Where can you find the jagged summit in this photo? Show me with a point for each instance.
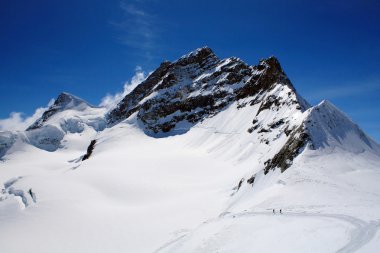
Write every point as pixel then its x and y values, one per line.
pixel 199 85
pixel 197 56
pixel 273 65
pixel 271 61
pixel 202 51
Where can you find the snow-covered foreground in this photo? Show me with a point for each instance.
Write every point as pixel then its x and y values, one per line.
pixel 269 232
pixel 126 197
pixel 142 194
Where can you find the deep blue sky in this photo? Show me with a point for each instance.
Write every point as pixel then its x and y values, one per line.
pixel 329 49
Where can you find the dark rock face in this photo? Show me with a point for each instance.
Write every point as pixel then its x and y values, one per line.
pixel 284 158
pixel 270 73
pixel 251 180
pixel 198 85
pixel 130 103
pixel 90 149
pixel 267 104
pixel 276 124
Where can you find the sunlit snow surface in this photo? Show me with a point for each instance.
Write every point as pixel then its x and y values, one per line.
pixel 178 194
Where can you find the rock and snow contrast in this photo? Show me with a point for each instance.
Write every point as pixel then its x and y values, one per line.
pixel 200 157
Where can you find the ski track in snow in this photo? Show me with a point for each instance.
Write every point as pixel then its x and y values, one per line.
pixel 216 131
pixel 359 236
pixel 169 243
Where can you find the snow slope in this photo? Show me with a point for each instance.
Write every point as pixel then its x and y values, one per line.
pixel 208 188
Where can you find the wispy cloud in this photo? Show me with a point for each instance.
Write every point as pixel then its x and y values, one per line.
pixel 131 9
pixel 18 122
pixel 112 100
pixel 138 28
pixel 342 91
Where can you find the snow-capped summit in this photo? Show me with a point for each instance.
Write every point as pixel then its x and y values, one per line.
pixel 68 101
pixel 64 101
pixel 330 128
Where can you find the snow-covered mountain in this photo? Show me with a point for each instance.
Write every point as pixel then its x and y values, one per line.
pixel 194 159
pixel 68 114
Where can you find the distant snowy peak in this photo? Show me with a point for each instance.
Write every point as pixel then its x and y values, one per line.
pixel 69 101
pixel 64 101
pixel 328 127
pixel 68 114
pixel 199 85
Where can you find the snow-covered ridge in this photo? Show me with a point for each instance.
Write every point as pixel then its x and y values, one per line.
pixel 181 94
pixel 330 128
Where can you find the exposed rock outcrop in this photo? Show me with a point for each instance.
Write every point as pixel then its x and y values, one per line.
pixel 90 149
pixel 199 85
pixel 284 158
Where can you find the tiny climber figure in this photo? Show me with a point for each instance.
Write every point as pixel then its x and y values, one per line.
pixel 280 211
pixel 274 211
pixel 32 195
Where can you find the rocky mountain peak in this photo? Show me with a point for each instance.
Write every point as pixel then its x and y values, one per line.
pixel 199 85
pixel 271 62
pixel 197 56
pixel 274 71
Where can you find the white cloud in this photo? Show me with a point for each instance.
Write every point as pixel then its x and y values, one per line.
pixel 137 28
pixel 131 9
pixel 18 122
pixel 111 100
pixel 342 91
